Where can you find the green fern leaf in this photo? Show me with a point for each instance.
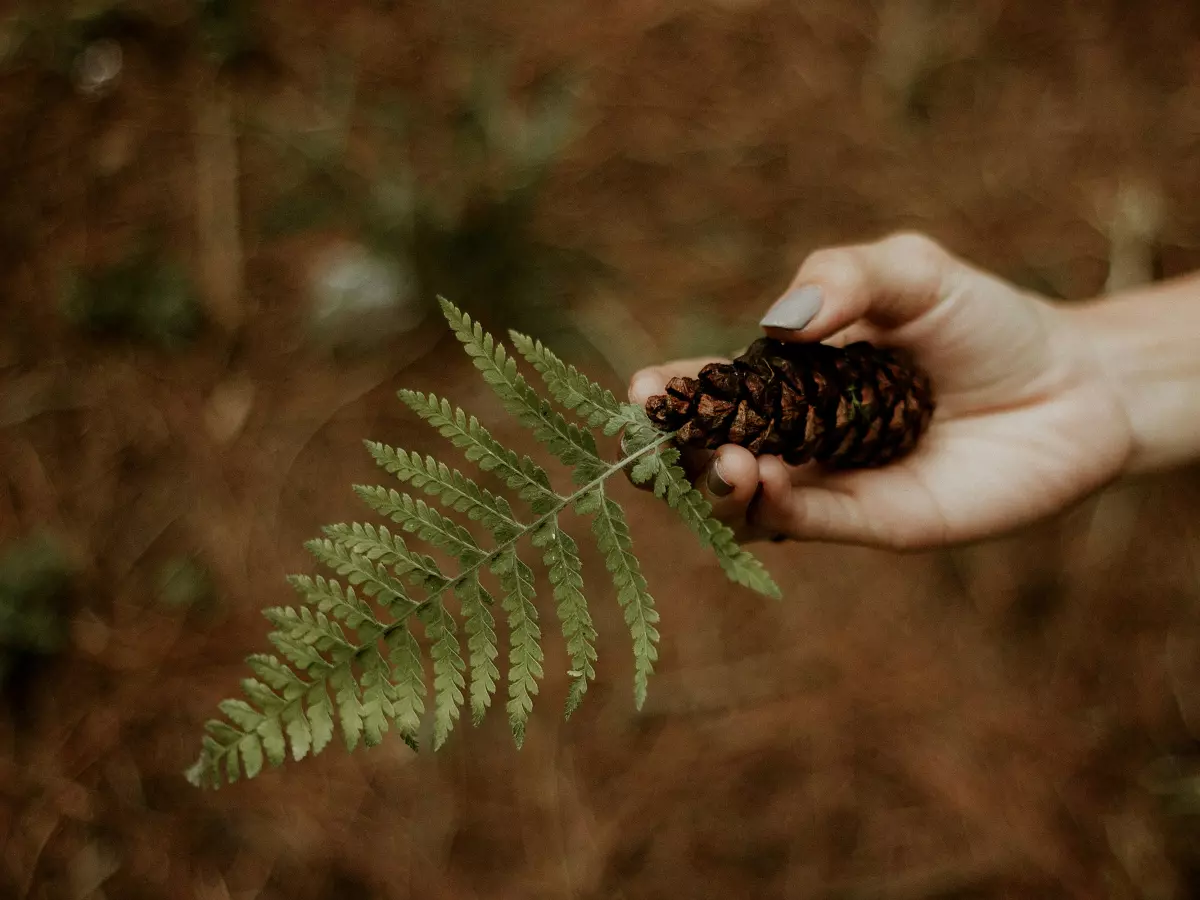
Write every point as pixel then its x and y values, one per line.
pixel 250 746
pixel 448 681
pixel 301 628
pixel 482 647
pixel 426 522
pixel 573 446
pixel 671 483
pixel 594 404
pixel 612 533
pixel 455 490
pixel 320 717
pixel 377 693
pixel 380 546
pixel 270 732
pixel 299 731
pixel 327 596
pixel 408 704
pixel 262 697
pixel 372 578
pixel 241 714
pixel 739 564
pixel 277 675
pixel 519 472
pixel 332 674
pixel 562 559
pixel 349 708
pixel 525 658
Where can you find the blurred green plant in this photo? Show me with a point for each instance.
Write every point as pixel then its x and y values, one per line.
pixel 145 297
pixel 185 583
pixel 447 200
pixel 35 576
pixel 227 28
pixel 54 34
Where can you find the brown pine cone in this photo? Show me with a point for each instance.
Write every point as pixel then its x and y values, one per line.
pixel 850 407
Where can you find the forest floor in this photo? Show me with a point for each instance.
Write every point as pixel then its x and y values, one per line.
pixel 1013 719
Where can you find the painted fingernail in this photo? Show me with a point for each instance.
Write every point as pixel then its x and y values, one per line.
pixel 795 309
pixel 716 483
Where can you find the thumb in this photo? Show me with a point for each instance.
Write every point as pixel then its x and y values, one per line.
pixel 730 482
pixel 888 283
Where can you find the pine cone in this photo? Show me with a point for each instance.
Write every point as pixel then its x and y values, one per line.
pixel 850 407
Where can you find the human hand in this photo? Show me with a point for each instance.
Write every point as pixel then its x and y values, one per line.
pixel 1027 422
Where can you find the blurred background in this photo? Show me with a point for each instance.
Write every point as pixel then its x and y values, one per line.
pixel 223 226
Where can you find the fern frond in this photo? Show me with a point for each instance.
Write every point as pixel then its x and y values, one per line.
pixel 408 702
pixel 612 534
pixel 379 546
pixel 525 657
pixel 519 472
pixel 482 646
pixel 315 632
pixel 377 694
pixel 373 578
pixel 328 596
pixel 454 489
pixel 448 681
pixel 292 688
pixel 594 404
pixel 572 445
pixel 313 644
pixel 562 559
pixel 671 483
pixel 349 707
pixel 426 522
pixel 349 659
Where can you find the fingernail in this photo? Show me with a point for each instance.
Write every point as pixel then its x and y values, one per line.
pixel 795 309
pixel 716 483
pixel 643 388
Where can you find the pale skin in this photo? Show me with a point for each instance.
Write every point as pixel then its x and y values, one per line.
pixel 1040 404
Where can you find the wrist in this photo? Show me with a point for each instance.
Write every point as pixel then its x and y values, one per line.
pixel 1146 348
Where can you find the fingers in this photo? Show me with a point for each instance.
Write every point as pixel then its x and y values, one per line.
pixel 815 514
pixel 888 283
pixel 653 380
pixel 889 509
pixel 985 343
pixel 755 496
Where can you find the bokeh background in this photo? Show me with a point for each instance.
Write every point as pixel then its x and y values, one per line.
pixel 223 225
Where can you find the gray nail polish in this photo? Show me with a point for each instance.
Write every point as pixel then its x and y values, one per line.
pixel 717 485
pixel 795 309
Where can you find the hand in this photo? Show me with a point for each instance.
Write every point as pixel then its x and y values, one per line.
pixel 1027 422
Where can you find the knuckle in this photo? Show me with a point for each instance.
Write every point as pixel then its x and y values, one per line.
pixel 923 258
pixel 838 268
pixel 914 243
pixel 915 248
